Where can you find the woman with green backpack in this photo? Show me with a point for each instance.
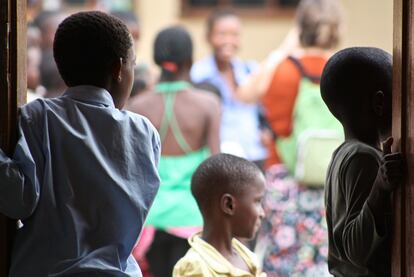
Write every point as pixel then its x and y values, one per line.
pixel 293 239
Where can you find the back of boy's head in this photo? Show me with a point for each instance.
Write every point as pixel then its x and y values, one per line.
pixel 86 46
pixel 219 174
pixel 173 48
pixel 352 76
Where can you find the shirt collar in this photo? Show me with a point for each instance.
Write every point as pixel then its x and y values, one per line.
pixel 217 262
pixel 90 94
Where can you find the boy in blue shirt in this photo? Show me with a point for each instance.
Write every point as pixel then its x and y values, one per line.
pixel 356 86
pixel 84 174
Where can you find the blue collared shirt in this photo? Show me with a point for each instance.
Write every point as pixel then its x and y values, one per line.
pixel 82 179
pixel 239 126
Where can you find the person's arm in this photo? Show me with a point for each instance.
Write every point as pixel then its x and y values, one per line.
pixel 390 175
pixel 19 188
pixel 213 134
pixel 259 81
pixel 362 232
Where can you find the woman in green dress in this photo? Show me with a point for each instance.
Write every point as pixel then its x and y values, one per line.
pixel 188 122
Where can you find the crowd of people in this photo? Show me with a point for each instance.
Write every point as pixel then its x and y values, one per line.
pixel 221 167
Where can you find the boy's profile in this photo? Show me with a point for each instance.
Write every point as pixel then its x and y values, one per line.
pixel 356 85
pixel 84 172
pixel 229 192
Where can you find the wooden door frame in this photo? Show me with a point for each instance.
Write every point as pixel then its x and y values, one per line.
pixel 403 132
pixel 13 91
pixel 13 80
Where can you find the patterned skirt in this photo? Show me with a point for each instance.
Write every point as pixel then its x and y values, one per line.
pixel 293 239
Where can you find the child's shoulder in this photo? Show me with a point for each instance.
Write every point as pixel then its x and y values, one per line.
pixel 191 264
pixel 357 153
pixel 358 148
pixel 36 108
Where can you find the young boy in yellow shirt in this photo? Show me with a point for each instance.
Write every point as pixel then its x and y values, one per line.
pixel 229 192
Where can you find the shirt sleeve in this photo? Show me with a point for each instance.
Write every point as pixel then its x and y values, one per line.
pixel 195 75
pixel 360 237
pixel 156 146
pixel 19 188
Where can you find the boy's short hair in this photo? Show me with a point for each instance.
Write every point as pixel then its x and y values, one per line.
pixel 351 76
pixel 87 44
pixel 219 174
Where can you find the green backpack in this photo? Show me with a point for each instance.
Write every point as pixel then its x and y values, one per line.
pixel 315 136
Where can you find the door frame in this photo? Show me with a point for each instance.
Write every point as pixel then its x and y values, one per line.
pixel 13 80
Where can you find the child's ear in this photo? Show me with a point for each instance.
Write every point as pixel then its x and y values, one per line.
pixel 117 69
pixel 378 103
pixel 228 204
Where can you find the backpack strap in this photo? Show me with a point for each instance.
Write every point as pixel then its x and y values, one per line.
pixel 299 66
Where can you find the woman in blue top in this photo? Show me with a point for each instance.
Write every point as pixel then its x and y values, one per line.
pixel 188 123
pixel 239 130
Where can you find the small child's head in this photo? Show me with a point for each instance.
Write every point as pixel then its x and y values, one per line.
pixel 229 191
pixel 356 85
pixel 173 51
pixel 223 34
pixel 94 48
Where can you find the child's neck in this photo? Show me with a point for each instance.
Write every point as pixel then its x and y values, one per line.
pixel 223 66
pixel 365 136
pixel 221 240
pixel 180 76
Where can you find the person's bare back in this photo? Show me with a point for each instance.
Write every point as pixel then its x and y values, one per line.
pixel 197 114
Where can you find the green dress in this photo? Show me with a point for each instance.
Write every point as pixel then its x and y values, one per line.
pixel 174 205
